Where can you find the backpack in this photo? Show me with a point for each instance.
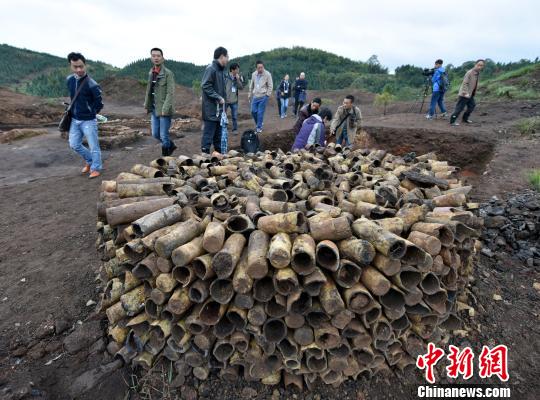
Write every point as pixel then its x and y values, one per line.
pixel 250 141
pixel 444 82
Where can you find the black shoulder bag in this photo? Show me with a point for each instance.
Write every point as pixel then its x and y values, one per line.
pixel 65 121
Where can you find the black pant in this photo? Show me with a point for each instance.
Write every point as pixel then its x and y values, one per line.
pixel 211 135
pixel 461 104
pixel 297 105
pixel 278 101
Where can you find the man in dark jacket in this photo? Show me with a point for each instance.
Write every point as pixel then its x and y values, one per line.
pixel 305 112
pixel 213 101
pixel 233 83
pixel 300 92
pixel 83 114
pixel 159 101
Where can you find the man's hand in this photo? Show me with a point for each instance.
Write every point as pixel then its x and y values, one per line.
pixel 221 101
pixel 467 95
pixel 332 132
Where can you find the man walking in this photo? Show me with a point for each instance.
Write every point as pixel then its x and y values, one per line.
pixel 260 89
pixel 214 95
pixel 466 93
pixel 346 122
pixel 439 81
pixel 86 102
pixel 159 100
pixel 284 94
pixel 300 92
pixel 305 112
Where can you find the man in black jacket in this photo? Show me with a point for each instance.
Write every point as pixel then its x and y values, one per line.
pixel 213 101
pixel 300 92
pixel 305 112
pixel 83 110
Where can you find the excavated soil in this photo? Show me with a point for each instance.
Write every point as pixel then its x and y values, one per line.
pixel 48 259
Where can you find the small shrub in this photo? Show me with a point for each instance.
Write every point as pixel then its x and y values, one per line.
pixel 534 179
pixel 529 126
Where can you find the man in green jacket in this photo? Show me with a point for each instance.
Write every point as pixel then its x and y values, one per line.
pixel 159 100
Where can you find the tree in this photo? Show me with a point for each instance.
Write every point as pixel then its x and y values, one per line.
pixel 196 86
pixel 384 99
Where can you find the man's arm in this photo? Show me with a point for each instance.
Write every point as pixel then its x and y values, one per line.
pixel 466 84
pixel 170 94
pixel 239 83
pixel 335 122
pixel 270 85
pixel 147 104
pixel 98 100
pixel 208 85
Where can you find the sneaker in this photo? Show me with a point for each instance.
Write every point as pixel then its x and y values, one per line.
pixel 429 116
pixel 443 115
pixel 94 174
pixel 454 123
pixel 258 131
pixel 467 121
pixel 86 169
pixel 235 131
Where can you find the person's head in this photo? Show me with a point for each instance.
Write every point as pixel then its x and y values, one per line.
pixel 326 114
pixel 221 55
pixel 302 75
pixel 234 68
pixel 438 63
pixel 286 77
pixel 156 55
pixel 315 104
pixel 479 65
pixel 259 66
pixel 77 62
pixel 348 101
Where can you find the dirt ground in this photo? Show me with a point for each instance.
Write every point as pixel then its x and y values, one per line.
pixel 48 261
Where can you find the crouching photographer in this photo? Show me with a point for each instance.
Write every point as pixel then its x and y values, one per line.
pixel 440 83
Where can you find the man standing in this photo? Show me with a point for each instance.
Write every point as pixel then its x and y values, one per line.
pixel 305 112
pixel 284 94
pixel 346 122
pixel 214 95
pixel 86 102
pixel 260 89
pixel 439 81
pixel 466 93
pixel 233 83
pixel 300 92
pixel 159 100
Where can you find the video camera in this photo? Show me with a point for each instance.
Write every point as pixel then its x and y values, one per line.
pixel 428 71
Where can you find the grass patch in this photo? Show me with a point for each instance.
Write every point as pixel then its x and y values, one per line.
pixel 534 179
pixel 528 126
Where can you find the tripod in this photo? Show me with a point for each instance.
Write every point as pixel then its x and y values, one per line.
pixel 423 95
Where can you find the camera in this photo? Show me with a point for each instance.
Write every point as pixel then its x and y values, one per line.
pixel 428 71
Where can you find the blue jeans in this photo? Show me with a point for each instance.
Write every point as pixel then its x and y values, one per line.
pixel 343 137
pixel 88 129
pixel 437 98
pixel 160 129
pixel 234 115
pixel 284 106
pixel 258 106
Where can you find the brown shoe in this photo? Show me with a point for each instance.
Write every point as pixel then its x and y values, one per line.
pixel 86 169
pixel 94 174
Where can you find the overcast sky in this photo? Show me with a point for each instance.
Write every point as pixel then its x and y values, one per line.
pixel 398 32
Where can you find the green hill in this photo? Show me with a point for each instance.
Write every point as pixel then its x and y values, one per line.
pixel 41 74
pixel 44 75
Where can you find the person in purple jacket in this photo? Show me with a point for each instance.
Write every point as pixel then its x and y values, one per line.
pixel 313 130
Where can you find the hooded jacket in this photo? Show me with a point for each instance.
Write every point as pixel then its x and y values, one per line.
pixel 312 131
